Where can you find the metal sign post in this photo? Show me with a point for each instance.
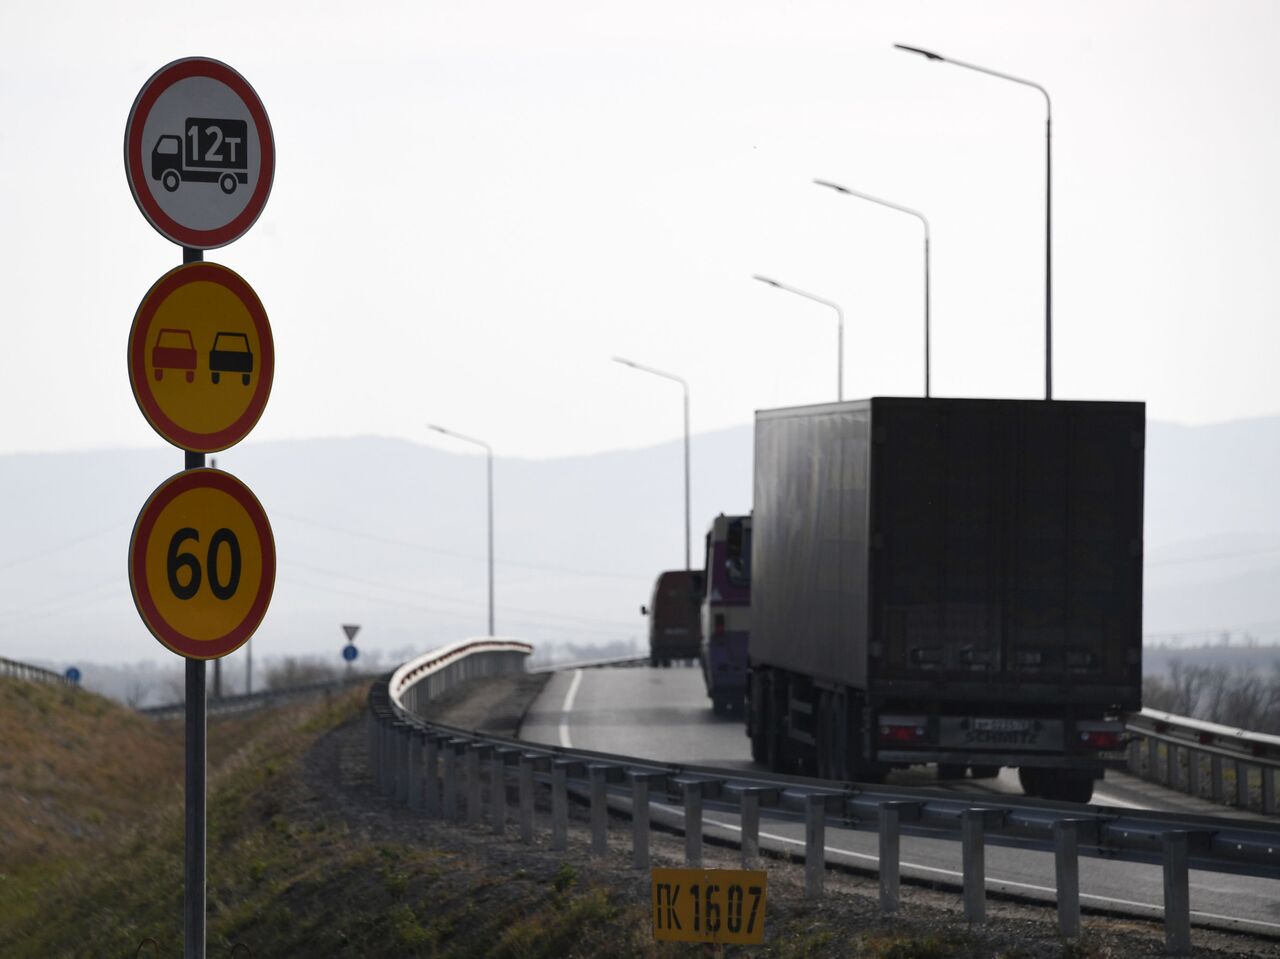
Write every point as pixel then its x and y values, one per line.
pixel 199 157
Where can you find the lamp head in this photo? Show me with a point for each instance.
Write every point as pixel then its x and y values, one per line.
pixel 928 54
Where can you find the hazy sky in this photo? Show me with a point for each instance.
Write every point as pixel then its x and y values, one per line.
pixel 477 204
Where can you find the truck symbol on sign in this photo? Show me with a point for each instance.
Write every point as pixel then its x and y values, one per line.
pixel 173 350
pixel 231 354
pixel 208 151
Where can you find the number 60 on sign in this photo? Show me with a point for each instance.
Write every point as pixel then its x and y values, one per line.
pixel 202 563
pixel 709 905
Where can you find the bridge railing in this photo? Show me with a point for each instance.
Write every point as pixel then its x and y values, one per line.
pixel 1221 763
pixel 457 775
pixel 35 674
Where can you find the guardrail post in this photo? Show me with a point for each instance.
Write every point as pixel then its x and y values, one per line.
pixel 1242 784
pixel 559 805
pixel 1268 791
pixel 1193 770
pixel 475 811
pixel 1134 757
pixel 693 825
pixel 499 786
pixel 749 818
pixel 1153 760
pixel 415 769
pixel 431 775
pixel 891 816
pixel 599 809
pixel 1177 897
pixel 815 841
pixel 1066 861
pixel 527 763
pixel 1216 792
pixel 451 779
pixel 1170 779
pixel 640 817
pixel 972 840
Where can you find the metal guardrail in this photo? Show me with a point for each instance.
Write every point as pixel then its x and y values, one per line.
pixel 418 763
pixel 243 702
pixel 35 674
pixel 1174 750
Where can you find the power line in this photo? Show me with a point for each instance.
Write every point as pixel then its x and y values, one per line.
pixel 540 567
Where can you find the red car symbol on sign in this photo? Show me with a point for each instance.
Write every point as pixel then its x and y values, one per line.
pixel 174 350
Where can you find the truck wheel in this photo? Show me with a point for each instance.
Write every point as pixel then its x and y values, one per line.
pixel 215 376
pixel 984 772
pixel 1069 785
pixel 159 373
pixel 1034 781
pixel 245 379
pixel 228 183
pixel 170 180
pixel 191 376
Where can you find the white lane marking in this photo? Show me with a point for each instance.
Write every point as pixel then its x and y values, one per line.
pixel 1109 799
pixel 567 708
pixel 991 880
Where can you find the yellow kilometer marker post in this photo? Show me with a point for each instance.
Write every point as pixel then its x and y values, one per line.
pixel 709 905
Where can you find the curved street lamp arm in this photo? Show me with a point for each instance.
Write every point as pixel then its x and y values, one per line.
pixel 649 369
pixel 875 199
pixel 460 436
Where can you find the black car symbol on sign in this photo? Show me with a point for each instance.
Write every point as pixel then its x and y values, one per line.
pixel 208 151
pixel 231 354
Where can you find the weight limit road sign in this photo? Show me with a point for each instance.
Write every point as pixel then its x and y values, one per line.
pixel 202 563
pixel 198 153
pixel 201 357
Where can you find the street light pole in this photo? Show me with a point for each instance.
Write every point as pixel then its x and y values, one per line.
pixel 921 217
pixel 489 478
pixel 1048 197
pixel 688 540
pixel 839 326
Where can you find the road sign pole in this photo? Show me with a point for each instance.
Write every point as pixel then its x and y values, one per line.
pixel 197 769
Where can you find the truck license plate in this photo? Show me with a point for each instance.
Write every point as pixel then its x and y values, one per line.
pixel 1001 733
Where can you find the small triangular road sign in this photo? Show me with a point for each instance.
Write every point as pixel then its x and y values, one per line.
pixel 351 632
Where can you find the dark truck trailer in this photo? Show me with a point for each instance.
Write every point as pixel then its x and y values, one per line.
pixel 947 581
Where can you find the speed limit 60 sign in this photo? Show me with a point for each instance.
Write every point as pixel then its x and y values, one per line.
pixel 202 563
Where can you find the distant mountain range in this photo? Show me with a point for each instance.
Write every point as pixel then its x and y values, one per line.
pixel 390 535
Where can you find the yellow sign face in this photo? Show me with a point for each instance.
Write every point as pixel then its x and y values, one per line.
pixel 202 563
pixel 201 357
pixel 709 905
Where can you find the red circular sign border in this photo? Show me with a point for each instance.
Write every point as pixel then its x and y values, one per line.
pixel 135 164
pixel 200 272
pixel 165 494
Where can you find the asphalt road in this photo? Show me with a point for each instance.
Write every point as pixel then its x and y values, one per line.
pixel 663 714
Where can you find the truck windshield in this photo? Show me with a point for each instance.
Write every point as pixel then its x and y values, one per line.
pixel 167 146
pixel 737 554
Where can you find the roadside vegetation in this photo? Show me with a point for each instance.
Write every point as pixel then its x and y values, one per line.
pixel 305 861
pixel 1245 697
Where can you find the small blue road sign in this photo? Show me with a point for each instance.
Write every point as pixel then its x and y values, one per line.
pixel 73 675
pixel 349 653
